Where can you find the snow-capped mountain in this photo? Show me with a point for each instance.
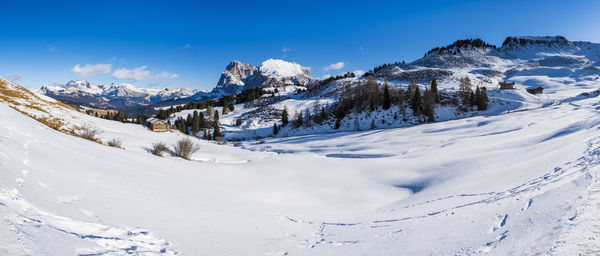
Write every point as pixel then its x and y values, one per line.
pixel 112 95
pixel 271 73
pixel 525 59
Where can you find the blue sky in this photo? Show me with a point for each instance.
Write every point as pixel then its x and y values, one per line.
pixel 188 44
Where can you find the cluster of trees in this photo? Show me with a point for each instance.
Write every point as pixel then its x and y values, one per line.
pixel 366 96
pixel 477 99
pixel 196 122
pixel 120 116
pixel 221 102
pixel 455 47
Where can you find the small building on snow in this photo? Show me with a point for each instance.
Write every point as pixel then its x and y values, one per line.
pixel 507 85
pixel 158 126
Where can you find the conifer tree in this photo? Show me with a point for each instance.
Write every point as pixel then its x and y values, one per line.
pixel 299 119
pixel 284 117
pixel 216 117
pixel 337 124
pixel 201 120
pixel 434 90
pixel 238 122
pixel 416 106
pixel 465 89
pixel 373 124
pixel 387 99
pixel 477 101
pixel 217 132
pixel 429 107
pixel 308 118
pixel 483 104
pixel 195 123
pixel 275 129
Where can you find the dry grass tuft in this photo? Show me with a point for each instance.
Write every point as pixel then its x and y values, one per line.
pixel 158 148
pixel 185 148
pixel 116 143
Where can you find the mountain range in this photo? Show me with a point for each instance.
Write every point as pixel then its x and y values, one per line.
pixel 529 60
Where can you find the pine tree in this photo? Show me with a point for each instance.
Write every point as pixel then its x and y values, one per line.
pixel 195 123
pixel 477 101
pixel 299 119
pixel 216 118
pixel 188 120
pixel 465 89
pixel 416 106
pixel 217 132
pixel 308 118
pixel 429 107
pixel 201 120
pixel 373 124
pixel 387 99
pixel 275 129
pixel 484 99
pixel 238 122
pixel 337 124
pixel 434 90
pixel 284 117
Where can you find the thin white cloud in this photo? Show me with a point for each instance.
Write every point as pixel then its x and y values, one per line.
pixel 14 77
pixel 140 73
pixel 89 70
pixel 358 72
pixel 334 66
pixel 166 75
pixel 285 49
pixel 113 59
pixel 186 46
pixel 133 74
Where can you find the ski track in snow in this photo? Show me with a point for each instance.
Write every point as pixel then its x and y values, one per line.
pixel 109 240
pixel 587 212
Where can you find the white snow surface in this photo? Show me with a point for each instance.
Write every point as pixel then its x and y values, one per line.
pixel 282 69
pixel 519 183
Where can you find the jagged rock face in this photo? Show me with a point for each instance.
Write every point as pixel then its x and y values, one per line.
pixel 271 73
pixel 535 40
pixel 234 76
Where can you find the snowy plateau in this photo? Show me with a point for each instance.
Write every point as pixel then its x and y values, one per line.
pixel 520 178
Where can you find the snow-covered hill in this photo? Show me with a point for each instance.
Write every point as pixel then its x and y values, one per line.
pixel 113 96
pixel 519 183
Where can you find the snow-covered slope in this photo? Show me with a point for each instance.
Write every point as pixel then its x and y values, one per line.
pixel 114 96
pixel 519 183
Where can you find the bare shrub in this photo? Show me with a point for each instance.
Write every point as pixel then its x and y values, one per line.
pixel 184 148
pixel 114 143
pixel 158 148
pixel 88 132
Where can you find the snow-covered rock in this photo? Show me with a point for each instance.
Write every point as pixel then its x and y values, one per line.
pixel 271 73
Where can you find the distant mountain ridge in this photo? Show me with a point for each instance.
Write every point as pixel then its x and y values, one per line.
pixel 113 96
pixel 236 77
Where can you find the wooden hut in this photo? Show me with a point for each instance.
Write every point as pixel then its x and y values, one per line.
pixel 159 126
pixel 507 85
pixel 538 90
